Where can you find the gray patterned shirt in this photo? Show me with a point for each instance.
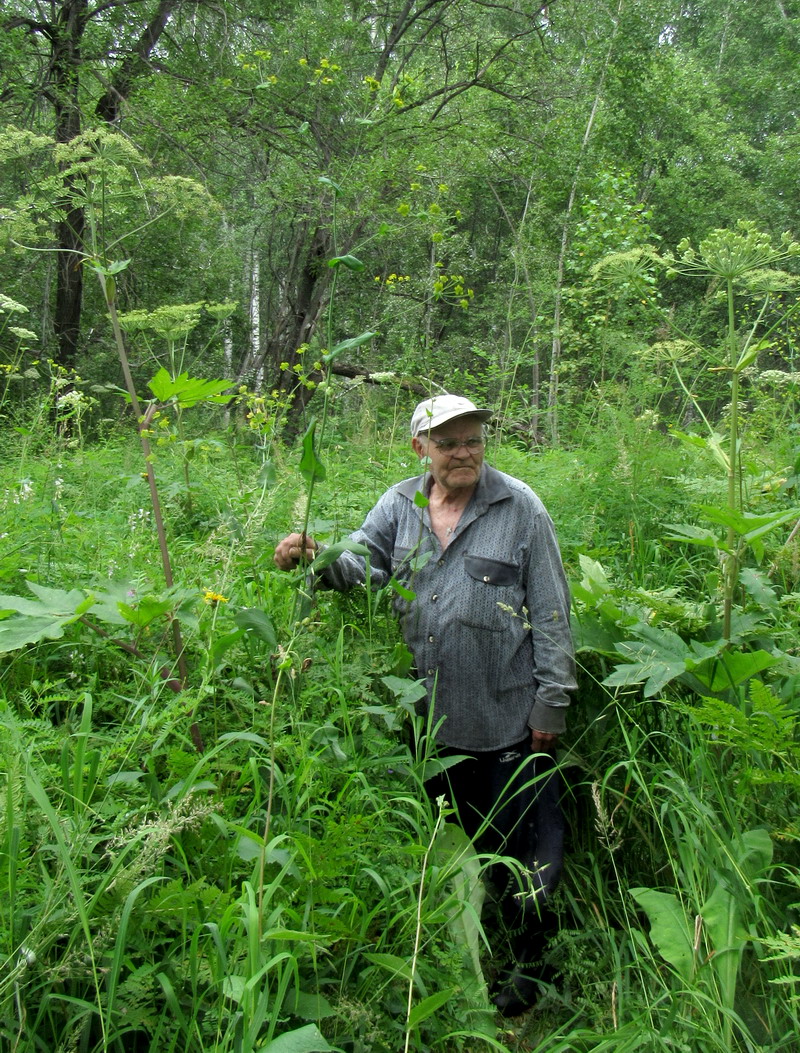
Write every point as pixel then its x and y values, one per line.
pixel 488 624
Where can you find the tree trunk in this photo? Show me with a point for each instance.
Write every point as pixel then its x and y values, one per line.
pixel 66 34
pixel 65 63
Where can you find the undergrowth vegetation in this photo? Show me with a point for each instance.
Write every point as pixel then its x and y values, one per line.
pixel 239 854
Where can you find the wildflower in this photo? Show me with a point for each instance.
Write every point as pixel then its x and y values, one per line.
pixel 214 597
pixel 24 491
pixel 23 334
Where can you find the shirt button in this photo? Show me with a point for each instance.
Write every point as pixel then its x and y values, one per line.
pixel 435 597
pixel 486 578
pixel 430 639
pixel 440 563
pixel 431 672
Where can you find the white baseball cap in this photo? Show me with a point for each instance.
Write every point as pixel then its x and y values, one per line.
pixel 432 413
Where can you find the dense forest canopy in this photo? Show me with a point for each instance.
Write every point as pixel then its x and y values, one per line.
pixel 478 159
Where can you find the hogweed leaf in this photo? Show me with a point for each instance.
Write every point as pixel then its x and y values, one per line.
pixel 188 391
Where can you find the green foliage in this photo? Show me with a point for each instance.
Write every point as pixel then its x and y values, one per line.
pixel 378 173
pixel 279 882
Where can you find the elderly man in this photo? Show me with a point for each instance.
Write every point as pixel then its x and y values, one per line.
pixel 488 626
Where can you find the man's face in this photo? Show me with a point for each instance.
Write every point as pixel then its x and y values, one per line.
pixel 456 469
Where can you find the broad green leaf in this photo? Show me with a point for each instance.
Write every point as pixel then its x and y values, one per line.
pixel 695 535
pixel 310 1006
pixel 346 345
pixel 327 742
pixel 307 1039
pixel 731 668
pixel 331 553
pixel 645 668
pixel 593 633
pixel 268 474
pixel 429 1005
pixel 108 269
pixel 311 467
pixel 25 630
pixel 50 601
pixel 146 610
pixel 223 643
pixel 420 500
pixel 351 262
pixel 44 618
pixel 405 690
pixel 234 987
pixel 722 912
pixel 255 621
pixel 670 928
pixel 757 585
pixel 594 579
pixel 747 525
pixel 126 778
pixel 188 391
pixel 107 601
pixel 660 657
pixel 394 964
pixel 712 443
pixel 161 385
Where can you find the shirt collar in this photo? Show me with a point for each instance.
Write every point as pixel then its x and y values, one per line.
pixel 491 487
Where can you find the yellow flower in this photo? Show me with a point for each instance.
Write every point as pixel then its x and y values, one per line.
pixel 214 597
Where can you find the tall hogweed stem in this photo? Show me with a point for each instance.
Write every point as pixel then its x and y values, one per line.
pixel 108 285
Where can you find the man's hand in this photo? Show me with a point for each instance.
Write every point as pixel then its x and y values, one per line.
pixel 543 741
pixel 288 553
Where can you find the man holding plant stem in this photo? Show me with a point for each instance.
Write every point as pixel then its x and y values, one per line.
pixel 484 607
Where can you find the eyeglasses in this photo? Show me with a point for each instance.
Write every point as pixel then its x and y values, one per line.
pixel 451 445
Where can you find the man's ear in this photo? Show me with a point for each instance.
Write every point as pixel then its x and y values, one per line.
pixel 418 446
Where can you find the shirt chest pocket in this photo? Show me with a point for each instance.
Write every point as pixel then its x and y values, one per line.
pixel 492 571
pixel 407 561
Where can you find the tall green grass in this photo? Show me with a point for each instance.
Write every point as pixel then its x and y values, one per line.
pixel 291 887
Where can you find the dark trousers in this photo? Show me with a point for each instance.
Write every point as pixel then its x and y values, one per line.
pixel 508 801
